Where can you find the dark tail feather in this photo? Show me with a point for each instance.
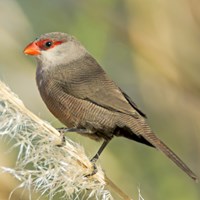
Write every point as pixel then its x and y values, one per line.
pixel 170 154
pixel 138 139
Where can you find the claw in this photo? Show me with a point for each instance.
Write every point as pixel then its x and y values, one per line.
pixel 62 138
pixel 95 170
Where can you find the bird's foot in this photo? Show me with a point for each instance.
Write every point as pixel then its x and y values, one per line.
pixel 63 139
pixel 95 170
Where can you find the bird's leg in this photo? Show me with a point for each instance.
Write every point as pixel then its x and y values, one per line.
pixel 64 130
pixel 102 147
pixel 96 157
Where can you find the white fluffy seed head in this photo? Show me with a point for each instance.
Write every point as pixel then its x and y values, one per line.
pixel 40 163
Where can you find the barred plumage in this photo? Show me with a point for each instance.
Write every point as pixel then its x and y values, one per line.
pixel 80 94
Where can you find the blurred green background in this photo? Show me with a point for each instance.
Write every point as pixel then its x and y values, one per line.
pixel 151 49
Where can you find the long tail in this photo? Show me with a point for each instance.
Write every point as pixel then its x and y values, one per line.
pixel 152 138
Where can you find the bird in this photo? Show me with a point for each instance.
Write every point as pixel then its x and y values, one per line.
pixel 80 94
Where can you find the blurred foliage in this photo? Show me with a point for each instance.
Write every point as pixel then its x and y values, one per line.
pixel 151 49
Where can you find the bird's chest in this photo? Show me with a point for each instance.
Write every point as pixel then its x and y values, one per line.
pixel 57 101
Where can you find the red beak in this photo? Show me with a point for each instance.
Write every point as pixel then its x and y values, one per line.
pixel 32 49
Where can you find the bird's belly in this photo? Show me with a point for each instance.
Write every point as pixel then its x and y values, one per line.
pixel 78 113
pixel 64 112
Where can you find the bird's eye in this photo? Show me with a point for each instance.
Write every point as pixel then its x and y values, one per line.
pixel 48 44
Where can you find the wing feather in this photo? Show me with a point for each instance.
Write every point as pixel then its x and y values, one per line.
pixel 85 79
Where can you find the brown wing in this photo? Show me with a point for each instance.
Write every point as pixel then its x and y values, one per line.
pixel 133 104
pixel 87 80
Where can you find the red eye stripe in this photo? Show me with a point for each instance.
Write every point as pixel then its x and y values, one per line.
pixel 47 44
pixel 58 42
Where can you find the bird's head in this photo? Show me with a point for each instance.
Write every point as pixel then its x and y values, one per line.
pixel 55 48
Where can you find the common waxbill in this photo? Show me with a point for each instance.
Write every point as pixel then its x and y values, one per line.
pixel 82 96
